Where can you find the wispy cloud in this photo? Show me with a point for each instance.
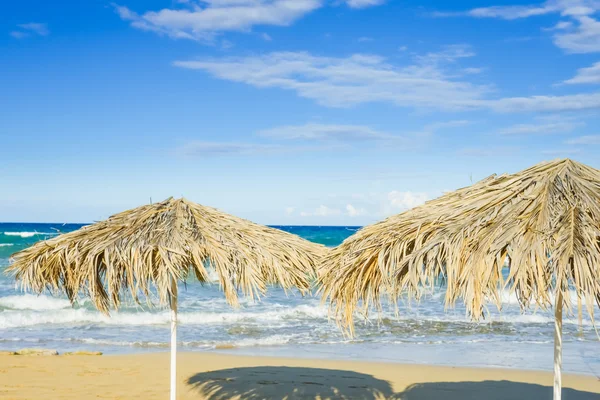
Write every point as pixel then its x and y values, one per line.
pixel 504 12
pixel 358 134
pixel 585 140
pixel 200 149
pixel 580 33
pixel 356 79
pixel 448 54
pixel 493 151
pixel 541 128
pixel 328 132
pixel 30 29
pixel 363 3
pixel 431 81
pixel 589 75
pixel 204 19
pixel 574 102
pixel 202 23
pixel 561 152
pixel 19 34
pixel 314 137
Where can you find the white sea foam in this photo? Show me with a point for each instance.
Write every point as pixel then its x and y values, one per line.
pixel 272 340
pixel 6 244
pixel 29 234
pixel 33 302
pixel 105 342
pixel 29 310
pixel 62 315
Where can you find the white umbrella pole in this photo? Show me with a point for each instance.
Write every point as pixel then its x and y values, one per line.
pixel 558 345
pixel 173 303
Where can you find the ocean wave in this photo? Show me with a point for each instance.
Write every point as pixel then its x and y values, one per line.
pixel 29 234
pixel 33 312
pixel 27 317
pixel 6 244
pixel 272 340
pixel 106 342
pixel 33 302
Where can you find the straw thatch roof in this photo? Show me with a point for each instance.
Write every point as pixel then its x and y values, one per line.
pixel 544 222
pixel 152 244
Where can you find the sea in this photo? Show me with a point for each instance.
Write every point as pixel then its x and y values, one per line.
pixel 288 325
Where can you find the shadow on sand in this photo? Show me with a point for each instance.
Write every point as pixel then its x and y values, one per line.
pixel 294 383
pixel 488 390
pixel 290 383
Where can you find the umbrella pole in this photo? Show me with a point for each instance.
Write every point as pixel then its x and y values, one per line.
pixel 558 345
pixel 173 303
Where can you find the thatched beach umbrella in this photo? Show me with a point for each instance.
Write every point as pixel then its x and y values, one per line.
pixel 543 221
pixel 159 244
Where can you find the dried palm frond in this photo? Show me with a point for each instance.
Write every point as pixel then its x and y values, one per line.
pixel 544 222
pixel 153 244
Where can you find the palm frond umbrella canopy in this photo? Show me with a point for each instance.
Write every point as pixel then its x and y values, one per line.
pixel 159 244
pixel 543 221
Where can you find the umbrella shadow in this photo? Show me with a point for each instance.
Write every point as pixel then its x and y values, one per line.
pixel 289 383
pixel 488 390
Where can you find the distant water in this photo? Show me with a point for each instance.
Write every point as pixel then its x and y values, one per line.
pixel 287 325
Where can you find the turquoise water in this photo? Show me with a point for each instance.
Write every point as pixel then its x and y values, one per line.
pixel 286 325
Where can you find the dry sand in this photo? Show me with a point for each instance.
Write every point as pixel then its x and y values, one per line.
pixel 224 376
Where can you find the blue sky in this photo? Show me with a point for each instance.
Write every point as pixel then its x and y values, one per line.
pixel 286 111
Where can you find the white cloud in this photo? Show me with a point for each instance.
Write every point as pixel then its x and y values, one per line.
pixel 561 152
pixel 364 39
pixel 584 38
pixel 290 210
pixel 321 211
pixel 564 7
pixel 31 28
pixel 352 80
pixel 207 18
pixel 363 3
pixel 579 34
pixel 560 26
pixel 585 140
pixel 198 148
pixel 430 82
pixel 490 151
pixel 327 132
pixel 450 53
pixel 40 29
pixel 572 102
pixel 316 137
pixel 367 207
pixel 472 70
pixel 586 75
pixel 435 126
pixel 541 128
pixel 19 34
pixel 406 200
pixel 266 37
pixel 354 212
pixel 203 19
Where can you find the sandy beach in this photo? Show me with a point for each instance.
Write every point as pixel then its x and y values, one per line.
pixel 224 376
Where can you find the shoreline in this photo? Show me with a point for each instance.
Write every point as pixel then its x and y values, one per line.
pixel 477 355
pixel 217 375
